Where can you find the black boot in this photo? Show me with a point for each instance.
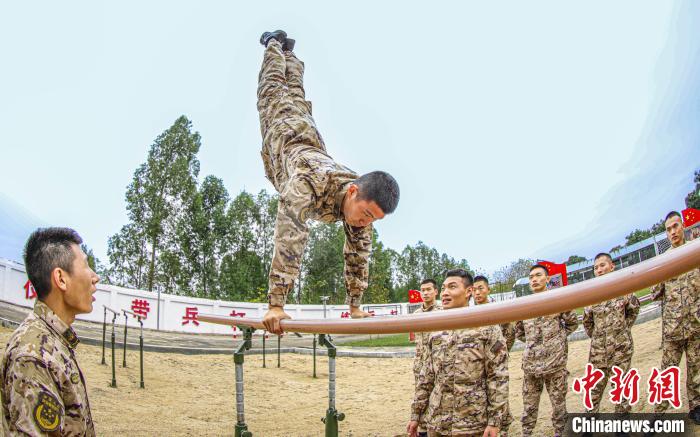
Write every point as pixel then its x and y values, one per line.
pixel 694 415
pixel 279 35
pixel 288 45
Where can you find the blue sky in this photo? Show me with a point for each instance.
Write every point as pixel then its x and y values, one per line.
pixel 538 129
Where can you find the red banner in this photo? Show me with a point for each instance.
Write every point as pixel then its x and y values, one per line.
pixel 414 296
pixel 690 216
pixel 557 273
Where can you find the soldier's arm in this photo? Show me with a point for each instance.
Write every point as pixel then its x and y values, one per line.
pixel 291 233
pixel 34 402
pixel 358 245
pixel 657 291
pixel 632 309
pixel 588 322
pixel 520 331
pixel 496 378
pixel 424 387
pixel 570 321
pixel 508 331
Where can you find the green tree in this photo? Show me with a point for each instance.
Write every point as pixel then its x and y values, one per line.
pixel 574 259
pixel 265 216
pixel 420 262
pixel 162 185
pixel 515 270
pixel 381 287
pixel 692 200
pixel 323 264
pixel 636 236
pixel 243 274
pixel 202 233
pixel 127 257
pixel 616 248
pixel 243 277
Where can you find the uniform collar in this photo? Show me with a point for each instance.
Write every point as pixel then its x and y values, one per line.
pixel 50 318
pixel 430 308
pixel 338 212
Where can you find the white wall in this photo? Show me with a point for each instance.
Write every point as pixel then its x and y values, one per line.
pixel 13 279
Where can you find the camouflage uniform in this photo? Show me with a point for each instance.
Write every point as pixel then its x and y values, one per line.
pixel 609 326
pixel 311 185
pixel 681 329
pixel 421 349
pixel 463 387
pixel 508 331
pixel 43 389
pixel 544 364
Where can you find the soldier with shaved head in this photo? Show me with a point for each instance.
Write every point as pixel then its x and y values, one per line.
pixel 462 389
pixel 609 326
pixel 544 358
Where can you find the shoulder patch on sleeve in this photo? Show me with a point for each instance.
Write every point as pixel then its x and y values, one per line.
pixel 48 412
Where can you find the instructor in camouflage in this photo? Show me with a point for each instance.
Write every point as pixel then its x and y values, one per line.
pixel 310 183
pixel 428 291
pixel 544 359
pixel 609 326
pixel 43 388
pixel 463 388
pixel 681 320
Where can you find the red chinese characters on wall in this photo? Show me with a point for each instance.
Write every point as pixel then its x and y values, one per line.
pixel 190 316
pixel 29 291
pixel 235 314
pixel 140 307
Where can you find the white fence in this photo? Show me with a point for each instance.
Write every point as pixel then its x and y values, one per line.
pixel 177 313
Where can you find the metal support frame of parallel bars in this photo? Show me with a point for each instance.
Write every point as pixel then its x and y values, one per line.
pixel 238 356
pixel 113 339
pixel 139 318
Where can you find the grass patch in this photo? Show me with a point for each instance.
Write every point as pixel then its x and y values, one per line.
pixel 382 341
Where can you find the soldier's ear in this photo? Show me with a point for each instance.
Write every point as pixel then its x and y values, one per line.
pixel 58 277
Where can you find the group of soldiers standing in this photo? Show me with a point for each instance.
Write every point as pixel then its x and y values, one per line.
pixel 461 377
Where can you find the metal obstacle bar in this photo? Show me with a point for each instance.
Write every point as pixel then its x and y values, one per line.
pixel 618 283
pixel 238 355
pixel 114 319
pixel 332 415
pixel 139 318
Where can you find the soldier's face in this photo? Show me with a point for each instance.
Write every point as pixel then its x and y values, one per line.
pixel 454 293
pixel 80 283
pixel 359 212
pixel 603 265
pixel 674 231
pixel 538 280
pixel 428 293
pixel 481 292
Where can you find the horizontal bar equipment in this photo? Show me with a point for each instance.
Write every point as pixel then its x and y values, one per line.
pixel 618 283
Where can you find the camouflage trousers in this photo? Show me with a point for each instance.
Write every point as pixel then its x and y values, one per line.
pixel 599 389
pixel 286 123
pixel 672 352
pixel 286 126
pixel 557 387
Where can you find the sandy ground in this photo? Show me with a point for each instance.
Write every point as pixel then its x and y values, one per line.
pixel 194 395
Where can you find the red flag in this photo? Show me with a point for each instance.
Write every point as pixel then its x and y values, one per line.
pixel 414 296
pixel 554 270
pixel 690 216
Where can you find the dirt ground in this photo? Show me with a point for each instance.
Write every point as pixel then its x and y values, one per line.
pixel 194 395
